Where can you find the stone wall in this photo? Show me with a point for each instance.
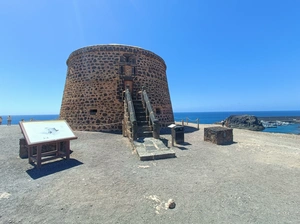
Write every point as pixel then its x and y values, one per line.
pixel 93 94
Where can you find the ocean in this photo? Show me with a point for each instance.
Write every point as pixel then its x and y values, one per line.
pixel 204 118
pixel 15 119
pixel 213 117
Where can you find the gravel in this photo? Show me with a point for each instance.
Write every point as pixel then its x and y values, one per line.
pixel 254 180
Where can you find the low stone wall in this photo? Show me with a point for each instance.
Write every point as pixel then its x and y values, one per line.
pixel 218 135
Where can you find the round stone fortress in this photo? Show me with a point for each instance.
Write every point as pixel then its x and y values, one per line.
pixel 96 80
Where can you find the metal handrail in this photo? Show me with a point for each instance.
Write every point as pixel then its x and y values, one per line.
pixel 153 120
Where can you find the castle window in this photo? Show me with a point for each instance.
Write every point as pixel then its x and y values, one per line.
pixel 158 112
pixel 122 70
pixel 122 59
pixel 133 70
pixel 93 111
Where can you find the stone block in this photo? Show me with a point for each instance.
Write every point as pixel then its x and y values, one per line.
pixel 218 135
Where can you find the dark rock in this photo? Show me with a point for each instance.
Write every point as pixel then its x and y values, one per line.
pixel 171 204
pixel 248 122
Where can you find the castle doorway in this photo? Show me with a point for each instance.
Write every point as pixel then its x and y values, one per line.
pixel 128 82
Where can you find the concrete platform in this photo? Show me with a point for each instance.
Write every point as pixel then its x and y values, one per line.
pixel 152 149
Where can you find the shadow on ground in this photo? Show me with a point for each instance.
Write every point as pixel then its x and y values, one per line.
pixel 187 129
pixel 165 141
pixel 181 145
pixel 231 143
pixel 52 167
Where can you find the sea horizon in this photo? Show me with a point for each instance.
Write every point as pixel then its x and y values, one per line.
pixel 192 117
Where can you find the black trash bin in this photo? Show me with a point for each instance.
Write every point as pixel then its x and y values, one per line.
pixel 178 134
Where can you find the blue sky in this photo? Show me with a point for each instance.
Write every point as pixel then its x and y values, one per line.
pixel 221 55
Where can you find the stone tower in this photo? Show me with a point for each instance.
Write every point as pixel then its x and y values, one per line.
pixel 96 79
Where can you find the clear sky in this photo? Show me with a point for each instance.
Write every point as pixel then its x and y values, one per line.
pixel 233 55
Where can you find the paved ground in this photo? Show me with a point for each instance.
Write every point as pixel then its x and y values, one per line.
pixel 254 180
pixel 152 149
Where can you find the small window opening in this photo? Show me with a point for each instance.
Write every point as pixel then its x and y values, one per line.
pixel 93 112
pixel 122 59
pixel 133 70
pixel 158 112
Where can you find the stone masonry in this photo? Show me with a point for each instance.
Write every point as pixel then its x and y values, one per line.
pixel 94 88
pixel 218 135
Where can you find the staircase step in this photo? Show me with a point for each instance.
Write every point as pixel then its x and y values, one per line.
pixel 142 123
pixel 140 112
pixel 144 128
pixel 145 134
pixel 141 118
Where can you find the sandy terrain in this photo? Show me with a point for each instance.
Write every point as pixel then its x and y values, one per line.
pixel 254 180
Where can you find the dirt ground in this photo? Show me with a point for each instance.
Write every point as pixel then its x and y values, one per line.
pixel 254 180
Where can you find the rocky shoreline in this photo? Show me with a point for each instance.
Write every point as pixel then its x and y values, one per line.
pixel 248 122
pixel 253 123
pixel 293 119
pixel 274 122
